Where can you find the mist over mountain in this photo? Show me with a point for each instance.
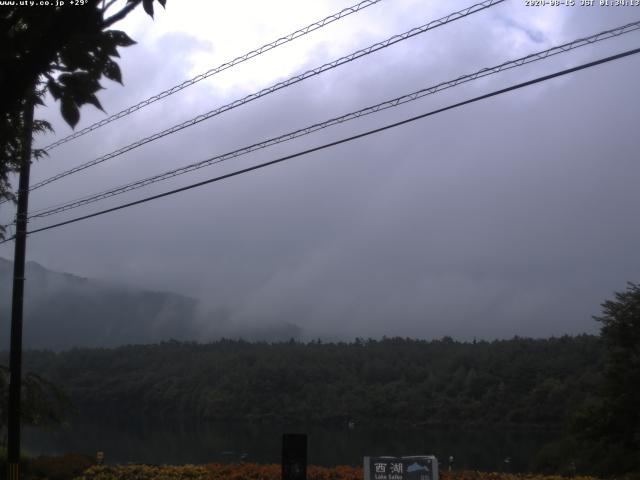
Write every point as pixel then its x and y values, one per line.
pixel 63 311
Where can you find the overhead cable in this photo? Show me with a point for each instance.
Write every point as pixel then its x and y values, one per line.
pixel 341 141
pixel 615 32
pixel 278 86
pixel 242 58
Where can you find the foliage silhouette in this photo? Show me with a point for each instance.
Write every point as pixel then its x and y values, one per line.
pixel 63 50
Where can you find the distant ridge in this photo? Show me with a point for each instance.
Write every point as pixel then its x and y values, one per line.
pixel 63 311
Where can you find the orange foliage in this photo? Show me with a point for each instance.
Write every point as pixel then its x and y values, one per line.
pixel 255 471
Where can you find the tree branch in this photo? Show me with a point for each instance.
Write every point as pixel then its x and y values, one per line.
pixel 107 6
pixel 121 14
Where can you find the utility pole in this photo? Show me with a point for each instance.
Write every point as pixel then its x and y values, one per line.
pixel 15 357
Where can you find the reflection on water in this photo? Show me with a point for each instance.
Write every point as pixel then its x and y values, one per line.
pixel 156 442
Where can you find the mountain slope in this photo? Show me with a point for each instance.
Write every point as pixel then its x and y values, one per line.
pixel 64 311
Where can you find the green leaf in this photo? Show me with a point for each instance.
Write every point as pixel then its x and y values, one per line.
pixel 112 71
pixel 55 89
pixel 39 153
pixel 80 88
pixel 80 84
pixel 42 126
pixel 69 111
pixel 120 38
pixel 148 7
pixel 108 45
pixel 77 56
pixel 93 100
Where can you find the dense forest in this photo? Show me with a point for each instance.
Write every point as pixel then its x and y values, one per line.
pixel 412 382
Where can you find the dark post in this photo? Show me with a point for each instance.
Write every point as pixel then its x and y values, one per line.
pixel 294 456
pixel 15 357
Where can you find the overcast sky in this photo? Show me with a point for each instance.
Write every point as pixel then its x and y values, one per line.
pixel 514 216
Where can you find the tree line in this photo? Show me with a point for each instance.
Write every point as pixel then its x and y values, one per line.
pixel 586 386
pixel 393 380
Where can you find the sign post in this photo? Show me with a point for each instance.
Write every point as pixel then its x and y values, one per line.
pixel 294 456
pixel 415 467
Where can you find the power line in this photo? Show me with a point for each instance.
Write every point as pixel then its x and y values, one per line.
pixel 615 32
pixel 187 83
pixel 278 86
pixel 344 140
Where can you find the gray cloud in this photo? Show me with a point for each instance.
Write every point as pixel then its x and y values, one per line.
pixel 511 216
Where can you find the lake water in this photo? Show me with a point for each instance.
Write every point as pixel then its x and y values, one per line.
pixel 156 442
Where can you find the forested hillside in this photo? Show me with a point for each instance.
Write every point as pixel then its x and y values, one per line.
pixel 518 381
pixel 64 311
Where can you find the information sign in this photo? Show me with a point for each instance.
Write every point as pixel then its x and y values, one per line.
pixel 415 467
